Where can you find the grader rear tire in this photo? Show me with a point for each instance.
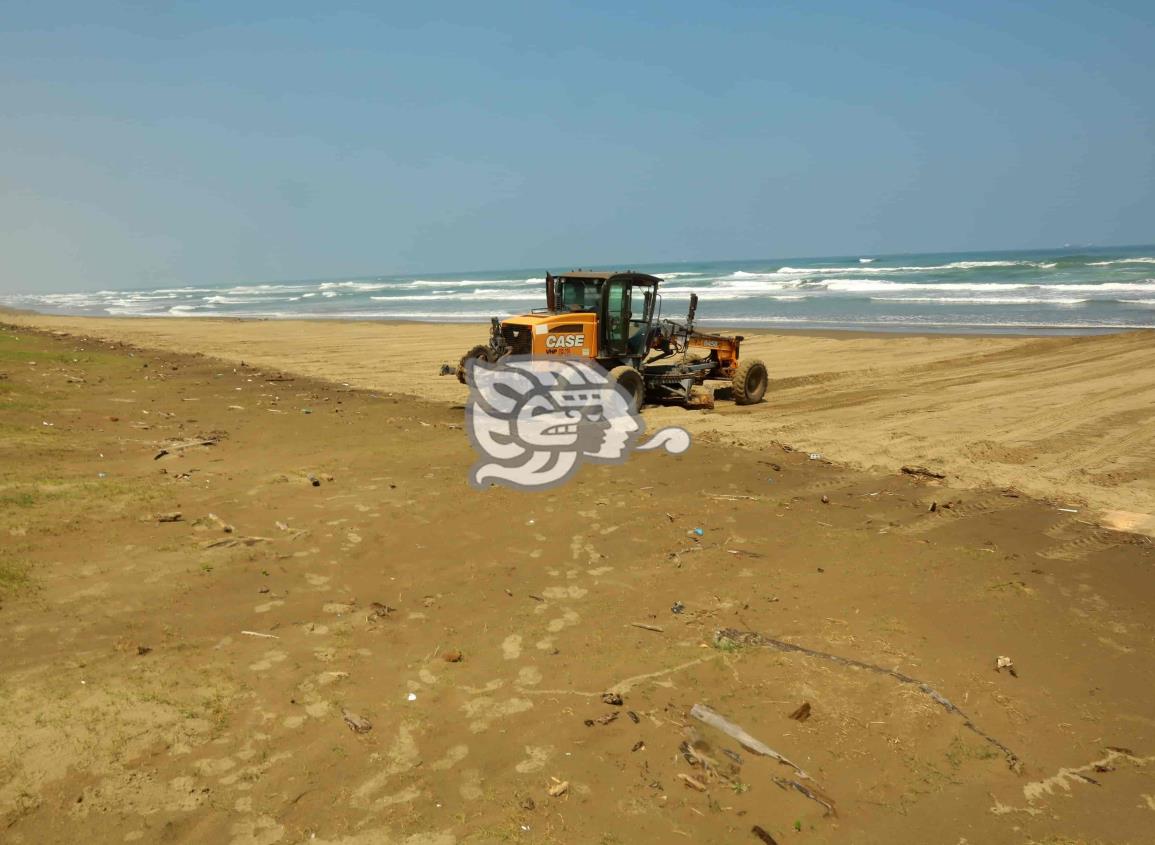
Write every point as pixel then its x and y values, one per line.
pixel 480 352
pixel 750 382
pixel 632 381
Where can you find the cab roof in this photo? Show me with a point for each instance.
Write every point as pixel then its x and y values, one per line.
pixel 608 274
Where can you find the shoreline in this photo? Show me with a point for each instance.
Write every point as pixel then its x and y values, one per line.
pixel 797 329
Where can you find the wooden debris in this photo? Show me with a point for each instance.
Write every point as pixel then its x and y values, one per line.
pixel 646 627
pixel 922 472
pixel 754 638
pixel 259 634
pixel 691 782
pixel 763 836
pixel 736 732
pixel 802 713
pixel 174 516
pixel 173 448
pixel 230 542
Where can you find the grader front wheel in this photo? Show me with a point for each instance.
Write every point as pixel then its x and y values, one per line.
pixel 634 384
pixel 479 352
pixel 750 382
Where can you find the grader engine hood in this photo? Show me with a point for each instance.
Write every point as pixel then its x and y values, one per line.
pixel 554 334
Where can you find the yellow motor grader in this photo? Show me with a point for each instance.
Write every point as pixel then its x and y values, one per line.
pixel 614 318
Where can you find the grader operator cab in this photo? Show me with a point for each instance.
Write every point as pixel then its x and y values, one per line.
pixel 614 318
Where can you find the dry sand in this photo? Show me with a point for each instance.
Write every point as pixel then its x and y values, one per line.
pixel 1066 419
pixel 199 680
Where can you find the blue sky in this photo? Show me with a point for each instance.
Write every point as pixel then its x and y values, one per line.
pixel 151 143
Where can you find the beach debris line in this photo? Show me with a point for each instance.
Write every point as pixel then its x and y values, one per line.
pixel 755 639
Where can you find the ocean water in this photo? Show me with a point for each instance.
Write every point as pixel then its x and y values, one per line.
pixel 1067 290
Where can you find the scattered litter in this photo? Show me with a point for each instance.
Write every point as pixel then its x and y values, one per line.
pixel 1069 510
pixel 742 553
pixel 802 713
pixel 316 482
pixel 173 448
pixel 560 788
pixel 602 720
pixel 677 607
pixel 446 370
pixel 633 716
pixel 358 724
pixel 102 475
pixel 220 523
pixel 142 650
pixel 379 611
pixel 825 499
pixel 1006 663
pixel 646 627
pixel 639 745
pixel 453 656
pixel 691 782
pixel 922 472
pixel 815 456
pixel 411 697
pixel 933 507
pixel 697 532
pixel 230 542
pixel 612 698
pixel 259 634
pixel 175 516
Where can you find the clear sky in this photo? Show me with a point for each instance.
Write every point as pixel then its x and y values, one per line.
pixel 146 142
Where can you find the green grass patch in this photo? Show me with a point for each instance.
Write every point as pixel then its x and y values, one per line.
pixel 14 577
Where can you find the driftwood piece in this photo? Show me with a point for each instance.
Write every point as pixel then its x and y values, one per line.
pixel 180 447
pixel 756 746
pixel 754 638
pixel 646 627
pixel 736 732
pixel 922 472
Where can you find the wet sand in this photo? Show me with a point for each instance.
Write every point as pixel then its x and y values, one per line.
pixel 200 678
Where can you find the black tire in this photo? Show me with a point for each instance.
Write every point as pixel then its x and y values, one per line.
pixel 480 352
pixel 632 381
pixel 750 382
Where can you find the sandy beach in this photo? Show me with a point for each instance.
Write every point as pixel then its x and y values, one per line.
pixel 1069 419
pixel 258 603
